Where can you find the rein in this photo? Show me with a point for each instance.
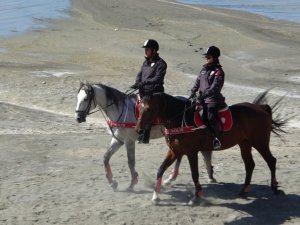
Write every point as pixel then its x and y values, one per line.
pixel 182 112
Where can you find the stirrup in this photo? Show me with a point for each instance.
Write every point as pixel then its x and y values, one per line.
pixel 143 141
pixel 216 144
pixel 140 137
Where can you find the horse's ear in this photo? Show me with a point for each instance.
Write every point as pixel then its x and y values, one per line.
pixel 81 84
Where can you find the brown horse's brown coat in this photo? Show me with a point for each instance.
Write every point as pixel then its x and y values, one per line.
pixel 252 126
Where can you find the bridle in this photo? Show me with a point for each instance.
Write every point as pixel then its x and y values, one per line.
pixel 91 98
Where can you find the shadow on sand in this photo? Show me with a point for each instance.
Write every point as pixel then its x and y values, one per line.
pixel 261 206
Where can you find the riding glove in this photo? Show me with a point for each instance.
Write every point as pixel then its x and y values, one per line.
pixel 206 94
pixel 193 95
pixel 200 99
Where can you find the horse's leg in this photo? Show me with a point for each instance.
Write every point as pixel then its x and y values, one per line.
pixel 249 166
pixel 172 177
pixel 271 161
pixel 170 158
pixel 209 167
pixel 113 147
pixel 193 160
pixel 130 147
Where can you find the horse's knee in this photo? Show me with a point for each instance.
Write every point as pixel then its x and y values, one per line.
pixel 106 158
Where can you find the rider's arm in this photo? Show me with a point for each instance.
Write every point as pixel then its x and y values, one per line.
pixel 196 85
pixel 138 77
pixel 216 85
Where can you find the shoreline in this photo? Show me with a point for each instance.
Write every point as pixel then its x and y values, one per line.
pixel 38 16
pixel 243 9
pixel 255 57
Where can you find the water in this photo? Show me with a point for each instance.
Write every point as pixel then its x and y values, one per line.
pixel 276 9
pixel 19 16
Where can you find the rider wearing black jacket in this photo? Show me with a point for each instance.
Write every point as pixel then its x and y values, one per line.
pixel 150 79
pixel 209 84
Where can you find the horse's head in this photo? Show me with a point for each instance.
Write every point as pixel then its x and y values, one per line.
pixel 168 109
pixel 149 109
pixel 85 102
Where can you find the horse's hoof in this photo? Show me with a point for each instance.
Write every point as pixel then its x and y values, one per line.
pixel 243 194
pixel 245 191
pixel 114 185
pixel 155 199
pixel 212 180
pixel 194 201
pixel 133 183
pixel 130 189
pixel 167 182
pixel 279 192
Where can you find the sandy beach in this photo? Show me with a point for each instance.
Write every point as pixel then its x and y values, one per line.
pixel 51 169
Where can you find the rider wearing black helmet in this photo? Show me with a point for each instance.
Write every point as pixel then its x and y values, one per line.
pixel 209 84
pixel 150 79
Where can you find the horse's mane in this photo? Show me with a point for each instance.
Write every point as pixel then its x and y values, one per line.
pixel 174 108
pixel 113 95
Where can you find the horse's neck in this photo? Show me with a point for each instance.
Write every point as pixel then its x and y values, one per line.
pixel 173 112
pixel 115 111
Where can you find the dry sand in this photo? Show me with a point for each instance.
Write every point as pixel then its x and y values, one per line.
pixel 51 169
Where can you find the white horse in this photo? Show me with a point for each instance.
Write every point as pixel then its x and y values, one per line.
pixel 119 108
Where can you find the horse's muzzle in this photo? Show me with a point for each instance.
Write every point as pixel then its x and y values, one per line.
pixel 79 118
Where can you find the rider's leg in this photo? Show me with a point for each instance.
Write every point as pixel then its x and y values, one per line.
pixel 212 116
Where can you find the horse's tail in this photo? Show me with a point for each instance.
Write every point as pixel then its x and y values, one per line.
pixel 278 123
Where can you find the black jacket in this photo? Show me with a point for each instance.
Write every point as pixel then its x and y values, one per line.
pixel 152 75
pixel 209 83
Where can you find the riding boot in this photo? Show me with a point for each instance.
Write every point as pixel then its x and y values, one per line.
pixel 216 134
pixel 141 136
pixel 145 135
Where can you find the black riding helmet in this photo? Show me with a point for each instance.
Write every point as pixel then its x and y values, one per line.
pixel 150 43
pixel 213 51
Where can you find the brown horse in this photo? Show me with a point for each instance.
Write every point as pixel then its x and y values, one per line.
pixel 252 127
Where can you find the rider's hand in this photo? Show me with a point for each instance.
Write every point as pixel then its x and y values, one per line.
pixel 193 95
pixel 200 99
pixel 206 94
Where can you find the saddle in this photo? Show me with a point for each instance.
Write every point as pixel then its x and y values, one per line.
pixel 225 119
